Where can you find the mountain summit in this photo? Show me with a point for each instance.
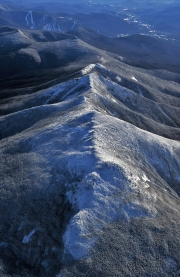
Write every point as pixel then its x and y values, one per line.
pixel 89 150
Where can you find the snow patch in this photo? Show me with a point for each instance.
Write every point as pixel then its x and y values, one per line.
pixel 88 69
pixel 25 36
pixel 103 60
pixel 165 114
pixel 97 66
pixel 73 25
pixel 118 79
pixel 140 92
pixel 28 237
pixel 134 79
pixel 29 20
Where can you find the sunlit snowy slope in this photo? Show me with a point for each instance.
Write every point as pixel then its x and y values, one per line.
pixel 90 176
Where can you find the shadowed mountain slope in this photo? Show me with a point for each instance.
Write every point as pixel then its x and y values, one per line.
pixel 23 51
pixel 137 50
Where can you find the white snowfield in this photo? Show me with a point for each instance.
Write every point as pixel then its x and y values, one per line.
pixel 113 186
pixel 53 26
pixel 116 170
pixel 29 19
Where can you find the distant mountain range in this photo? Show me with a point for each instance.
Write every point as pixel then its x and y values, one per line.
pixel 154 20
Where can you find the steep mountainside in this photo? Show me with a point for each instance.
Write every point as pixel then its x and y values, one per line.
pixel 89 151
pixel 81 176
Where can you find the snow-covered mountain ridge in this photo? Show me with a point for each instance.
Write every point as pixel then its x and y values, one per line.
pixel 89 138
pixel 89 152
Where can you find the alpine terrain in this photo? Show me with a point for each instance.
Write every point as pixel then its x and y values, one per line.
pixel 89 138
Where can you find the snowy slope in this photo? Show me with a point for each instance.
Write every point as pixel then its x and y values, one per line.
pixel 107 169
